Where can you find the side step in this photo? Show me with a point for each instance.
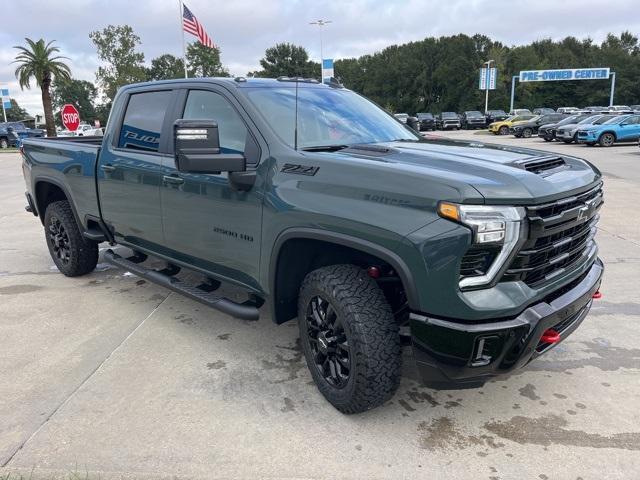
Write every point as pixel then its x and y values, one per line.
pixel 242 311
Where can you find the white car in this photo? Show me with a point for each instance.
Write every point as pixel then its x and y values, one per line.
pixel 86 130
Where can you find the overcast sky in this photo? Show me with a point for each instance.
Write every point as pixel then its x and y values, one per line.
pixel 244 28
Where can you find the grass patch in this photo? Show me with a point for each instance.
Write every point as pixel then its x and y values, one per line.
pixel 8 150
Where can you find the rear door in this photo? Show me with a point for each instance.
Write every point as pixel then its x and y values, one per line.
pixel 130 168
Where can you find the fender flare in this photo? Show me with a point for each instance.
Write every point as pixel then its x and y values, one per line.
pixel 57 183
pixel 356 243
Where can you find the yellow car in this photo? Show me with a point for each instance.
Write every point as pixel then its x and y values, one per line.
pixel 502 128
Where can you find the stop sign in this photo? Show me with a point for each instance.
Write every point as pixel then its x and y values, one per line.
pixel 70 117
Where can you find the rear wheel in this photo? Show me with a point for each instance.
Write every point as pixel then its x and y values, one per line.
pixel 73 254
pixel 4 143
pixel 607 139
pixel 526 133
pixel 504 130
pixel 349 338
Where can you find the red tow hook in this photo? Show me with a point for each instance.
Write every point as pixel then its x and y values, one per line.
pixel 550 336
pixel 597 295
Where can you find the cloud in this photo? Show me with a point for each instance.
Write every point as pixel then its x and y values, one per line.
pixel 245 28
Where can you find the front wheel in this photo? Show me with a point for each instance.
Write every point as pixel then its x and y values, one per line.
pixel 349 338
pixel 504 130
pixel 526 133
pixel 73 254
pixel 4 143
pixel 607 139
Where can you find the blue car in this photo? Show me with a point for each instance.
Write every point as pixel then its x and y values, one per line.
pixel 625 128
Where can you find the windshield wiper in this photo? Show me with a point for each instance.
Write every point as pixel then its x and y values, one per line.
pixel 324 148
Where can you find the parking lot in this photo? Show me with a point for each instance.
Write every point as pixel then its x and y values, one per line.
pixel 109 376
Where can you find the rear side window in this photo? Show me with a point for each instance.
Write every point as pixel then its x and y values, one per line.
pixel 143 121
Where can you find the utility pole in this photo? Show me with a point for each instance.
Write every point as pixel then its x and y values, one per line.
pixel 486 90
pixel 321 23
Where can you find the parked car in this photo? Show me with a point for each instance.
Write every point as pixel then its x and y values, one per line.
pixel 543 111
pixel 495 116
pixel 473 119
pixel 530 127
pixel 86 130
pixel 20 130
pixel 621 128
pixel 548 132
pixel 8 137
pixel 595 109
pixel 635 108
pixel 447 120
pixel 620 108
pixel 568 133
pixel 521 111
pixel 438 253
pixel 567 109
pixel 402 117
pixel 502 128
pixel 426 121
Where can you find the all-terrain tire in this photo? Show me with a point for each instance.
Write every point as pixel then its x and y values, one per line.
pixel 73 254
pixel 369 330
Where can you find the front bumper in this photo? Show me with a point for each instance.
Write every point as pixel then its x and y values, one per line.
pixel 584 137
pixel 453 354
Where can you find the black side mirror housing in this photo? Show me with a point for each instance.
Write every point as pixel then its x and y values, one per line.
pixel 197 149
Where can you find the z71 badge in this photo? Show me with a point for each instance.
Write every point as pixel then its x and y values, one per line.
pixel 299 169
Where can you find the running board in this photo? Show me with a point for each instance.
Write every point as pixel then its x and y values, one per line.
pixel 242 311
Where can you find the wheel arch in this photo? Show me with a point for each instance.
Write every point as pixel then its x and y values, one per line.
pixel 284 294
pixel 48 190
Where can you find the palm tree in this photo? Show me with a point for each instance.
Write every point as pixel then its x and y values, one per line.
pixel 38 60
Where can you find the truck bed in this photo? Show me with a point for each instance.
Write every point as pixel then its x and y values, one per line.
pixel 69 163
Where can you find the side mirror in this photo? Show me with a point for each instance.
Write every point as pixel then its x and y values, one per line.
pixel 197 149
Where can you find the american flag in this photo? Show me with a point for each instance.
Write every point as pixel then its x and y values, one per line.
pixel 191 25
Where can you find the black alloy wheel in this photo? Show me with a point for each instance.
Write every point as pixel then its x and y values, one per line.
pixel 59 240
pixel 329 343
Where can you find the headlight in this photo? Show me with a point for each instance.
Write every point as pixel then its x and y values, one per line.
pixel 495 226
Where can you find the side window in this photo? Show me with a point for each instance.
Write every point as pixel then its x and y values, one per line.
pixel 143 121
pixel 205 105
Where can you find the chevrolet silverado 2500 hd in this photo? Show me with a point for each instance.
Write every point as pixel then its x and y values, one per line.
pixel 312 198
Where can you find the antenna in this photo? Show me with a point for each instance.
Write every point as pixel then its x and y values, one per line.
pixel 295 126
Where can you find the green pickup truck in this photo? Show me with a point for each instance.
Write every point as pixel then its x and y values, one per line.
pixel 315 200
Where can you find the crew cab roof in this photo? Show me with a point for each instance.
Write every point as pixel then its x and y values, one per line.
pixel 237 82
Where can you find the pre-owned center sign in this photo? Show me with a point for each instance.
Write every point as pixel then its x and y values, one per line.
pixel 564 74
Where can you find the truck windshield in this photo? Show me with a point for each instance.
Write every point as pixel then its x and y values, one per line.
pixel 326 117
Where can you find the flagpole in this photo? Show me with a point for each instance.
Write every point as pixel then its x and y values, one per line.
pixel 184 50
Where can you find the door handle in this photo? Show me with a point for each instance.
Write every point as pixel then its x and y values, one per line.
pixel 173 179
pixel 108 168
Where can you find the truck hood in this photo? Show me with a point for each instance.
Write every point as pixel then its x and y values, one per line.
pixel 499 173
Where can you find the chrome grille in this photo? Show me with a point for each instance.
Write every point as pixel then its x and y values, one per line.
pixel 561 237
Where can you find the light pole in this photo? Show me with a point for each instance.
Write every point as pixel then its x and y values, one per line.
pixel 486 91
pixel 321 23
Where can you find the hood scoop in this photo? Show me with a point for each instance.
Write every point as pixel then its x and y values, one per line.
pixel 544 165
pixel 369 150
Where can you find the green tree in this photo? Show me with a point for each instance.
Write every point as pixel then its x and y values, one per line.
pixel 289 60
pixel 80 93
pixel 165 67
pixel 16 113
pixel 38 60
pixel 203 61
pixel 116 46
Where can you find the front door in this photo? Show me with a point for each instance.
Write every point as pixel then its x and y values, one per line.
pixel 630 129
pixel 130 170
pixel 207 223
